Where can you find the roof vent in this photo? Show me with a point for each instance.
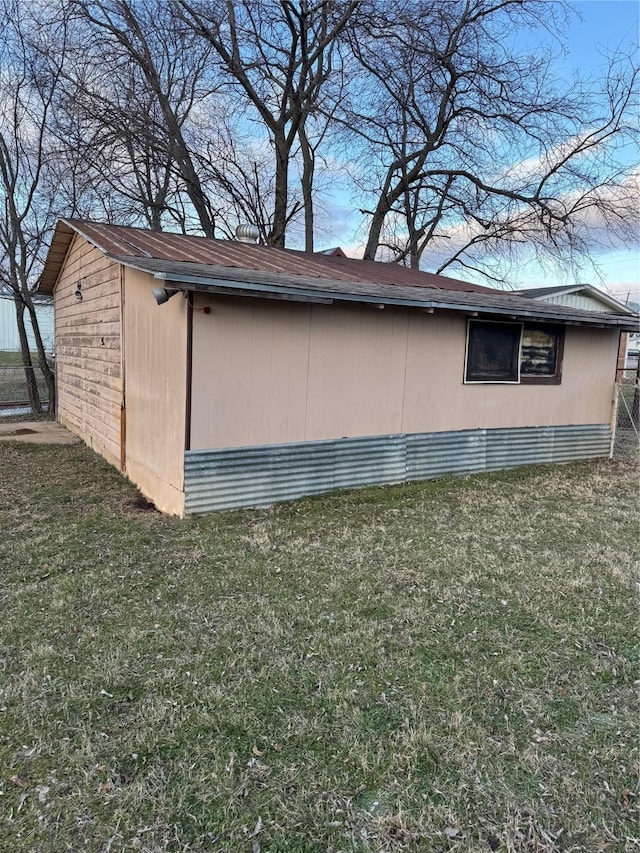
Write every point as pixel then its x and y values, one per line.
pixel 247 233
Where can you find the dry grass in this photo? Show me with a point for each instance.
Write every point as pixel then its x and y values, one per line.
pixel 443 667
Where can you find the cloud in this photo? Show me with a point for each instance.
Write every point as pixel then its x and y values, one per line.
pixel 603 220
pixel 531 168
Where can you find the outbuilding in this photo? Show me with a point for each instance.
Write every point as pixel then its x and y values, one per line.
pixel 219 374
pixel 9 337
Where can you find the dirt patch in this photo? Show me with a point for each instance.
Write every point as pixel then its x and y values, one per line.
pixel 140 504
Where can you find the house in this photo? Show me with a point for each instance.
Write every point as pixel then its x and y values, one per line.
pixel 590 299
pixel 219 374
pixel 9 339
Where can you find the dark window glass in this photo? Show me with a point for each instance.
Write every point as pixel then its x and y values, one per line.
pixel 539 355
pixel 493 351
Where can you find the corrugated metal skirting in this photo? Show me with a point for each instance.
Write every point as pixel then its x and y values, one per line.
pixel 260 476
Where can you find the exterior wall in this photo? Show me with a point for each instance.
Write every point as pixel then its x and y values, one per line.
pixel 578 300
pixel 260 476
pixel 584 395
pixel 155 344
pixel 269 372
pixel 9 340
pixel 88 349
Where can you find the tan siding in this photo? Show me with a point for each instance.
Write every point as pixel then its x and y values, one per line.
pixel 351 352
pixel 155 378
pixel 272 372
pixel 88 348
pixel 264 347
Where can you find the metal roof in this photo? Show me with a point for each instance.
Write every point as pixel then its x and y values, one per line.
pixel 227 267
pixel 216 279
pixel 127 243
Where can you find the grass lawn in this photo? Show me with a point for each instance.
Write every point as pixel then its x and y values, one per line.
pixel 450 666
pixel 10 359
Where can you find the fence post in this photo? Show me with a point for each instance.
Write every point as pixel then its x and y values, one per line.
pixel 614 416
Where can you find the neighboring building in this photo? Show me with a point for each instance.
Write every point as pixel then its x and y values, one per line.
pixel 584 296
pixel 9 339
pixel 631 354
pixel 589 298
pixel 271 374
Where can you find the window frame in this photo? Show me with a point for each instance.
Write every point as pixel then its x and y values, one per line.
pixel 555 328
pixel 551 379
pixel 468 381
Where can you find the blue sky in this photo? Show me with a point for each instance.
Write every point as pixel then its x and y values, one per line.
pixel 606 26
pixel 600 27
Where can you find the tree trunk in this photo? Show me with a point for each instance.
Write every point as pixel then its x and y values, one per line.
pixel 29 372
pixel 194 190
pixel 377 221
pixel 414 251
pixel 307 188
pixel 278 228
pixel 47 372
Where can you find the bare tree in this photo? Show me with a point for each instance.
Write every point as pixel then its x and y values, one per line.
pixel 278 54
pixel 29 78
pixel 112 141
pixel 238 169
pixel 158 66
pixel 469 143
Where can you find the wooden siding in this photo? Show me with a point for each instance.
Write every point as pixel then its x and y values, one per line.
pixel 155 343
pixel 272 372
pixel 88 349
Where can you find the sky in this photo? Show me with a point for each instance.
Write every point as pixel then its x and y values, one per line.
pixel 601 26
pixel 605 25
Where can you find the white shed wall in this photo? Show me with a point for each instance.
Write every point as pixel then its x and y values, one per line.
pixel 578 300
pixel 9 340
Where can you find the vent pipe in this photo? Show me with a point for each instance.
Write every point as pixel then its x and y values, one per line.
pixel 247 233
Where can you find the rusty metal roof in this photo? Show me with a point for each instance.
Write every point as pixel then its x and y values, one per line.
pixel 128 243
pixel 232 268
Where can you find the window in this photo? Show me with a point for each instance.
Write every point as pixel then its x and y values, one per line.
pixel 493 351
pixel 513 352
pixel 541 354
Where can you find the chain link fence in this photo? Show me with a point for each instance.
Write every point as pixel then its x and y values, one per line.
pixel 627 439
pixel 628 404
pixel 14 394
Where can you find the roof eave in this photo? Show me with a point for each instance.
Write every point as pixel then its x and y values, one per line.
pixel 58 248
pixel 257 289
